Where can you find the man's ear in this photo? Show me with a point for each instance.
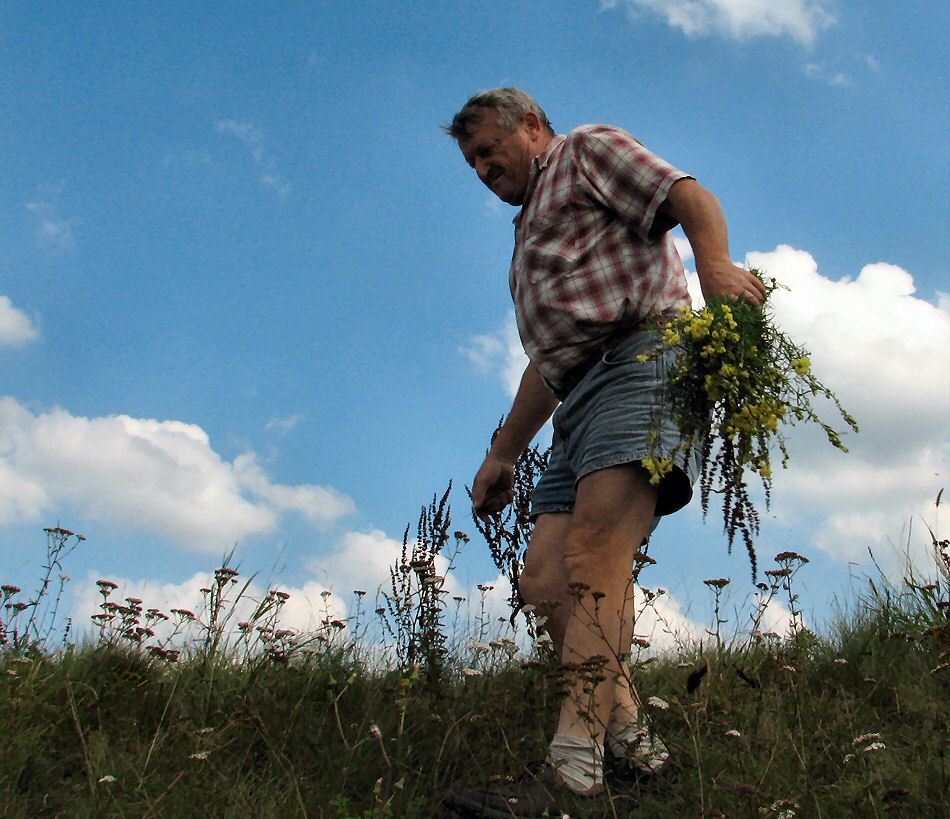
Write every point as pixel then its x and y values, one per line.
pixel 533 123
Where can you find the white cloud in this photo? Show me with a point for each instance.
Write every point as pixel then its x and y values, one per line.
pixel 683 247
pixel 253 140
pixel 144 474
pixel 801 20
pixel 816 71
pixel 16 328
pixel 886 353
pixel 316 503
pixel 282 426
pixel 502 352
pixel 52 231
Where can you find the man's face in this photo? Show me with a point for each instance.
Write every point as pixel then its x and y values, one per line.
pixel 502 158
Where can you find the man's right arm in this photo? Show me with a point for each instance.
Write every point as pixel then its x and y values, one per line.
pixel 493 488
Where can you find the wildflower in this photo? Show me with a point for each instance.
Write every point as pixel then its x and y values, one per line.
pixel 375 732
pixel 802 366
pixel 781 557
pixel 717 583
pixel 656 702
pixel 207 730
pixel 848 758
pixel 58 530
pixel 874 746
pixel 640 642
pixel 544 640
pixel 359 593
pixel 458 599
pixel 108 779
pixel 324 594
pixel 864 738
pixel 778 572
pixel 10 589
pixel 790 669
pixel 281 595
pixel 107 584
pixel 184 614
pixel 941 667
pixel 471 672
pixel 225 573
pixel 732 732
pixel 201 756
pixel 477 646
pixel 840 661
pixel 781 809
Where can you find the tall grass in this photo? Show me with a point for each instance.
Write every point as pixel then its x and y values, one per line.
pixel 205 714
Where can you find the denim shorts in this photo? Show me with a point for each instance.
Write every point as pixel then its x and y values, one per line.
pixel 607 420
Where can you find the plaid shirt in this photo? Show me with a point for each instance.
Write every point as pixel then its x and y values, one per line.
pixel 592 254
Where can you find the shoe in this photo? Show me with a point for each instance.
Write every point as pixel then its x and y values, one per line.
pixel 636 757
pixel 537 793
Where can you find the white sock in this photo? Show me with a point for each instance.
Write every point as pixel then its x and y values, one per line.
pixel 579 762
pixel 636 743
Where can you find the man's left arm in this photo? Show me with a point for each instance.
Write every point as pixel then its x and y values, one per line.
pixel 704 223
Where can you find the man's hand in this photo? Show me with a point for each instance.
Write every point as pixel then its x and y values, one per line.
pixel 494 487
pixel 726 279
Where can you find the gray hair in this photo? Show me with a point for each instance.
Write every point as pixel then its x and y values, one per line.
pixel 509 104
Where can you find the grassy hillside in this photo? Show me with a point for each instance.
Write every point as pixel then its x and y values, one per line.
pixel 253 720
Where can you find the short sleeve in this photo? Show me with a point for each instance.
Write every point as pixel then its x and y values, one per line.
pixel 623 176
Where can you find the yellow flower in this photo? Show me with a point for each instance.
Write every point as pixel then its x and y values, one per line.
pixel 802 365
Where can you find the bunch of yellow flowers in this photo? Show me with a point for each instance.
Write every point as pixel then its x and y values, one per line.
pixel 737 380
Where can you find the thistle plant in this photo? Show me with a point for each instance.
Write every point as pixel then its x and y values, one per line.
pixel 738 379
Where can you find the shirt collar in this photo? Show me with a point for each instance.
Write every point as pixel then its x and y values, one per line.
pixel 538 164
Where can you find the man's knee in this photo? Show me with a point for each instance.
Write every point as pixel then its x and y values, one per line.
pixel 588 551
pixel 540 583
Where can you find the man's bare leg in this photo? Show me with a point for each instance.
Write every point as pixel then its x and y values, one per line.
pixel 544 584
pixel 612 515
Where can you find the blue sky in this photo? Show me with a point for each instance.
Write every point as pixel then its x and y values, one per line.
pixel 251 294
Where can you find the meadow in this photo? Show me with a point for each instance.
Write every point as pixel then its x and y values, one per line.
pixel 196 713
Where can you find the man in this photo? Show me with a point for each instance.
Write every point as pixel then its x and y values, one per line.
pixel 594 264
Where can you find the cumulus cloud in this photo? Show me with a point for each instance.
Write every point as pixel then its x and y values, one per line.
pixel 801 20
pixel 252 138
pixel 886 353
pixel 502 352
pixel 144 474
pixel 16 327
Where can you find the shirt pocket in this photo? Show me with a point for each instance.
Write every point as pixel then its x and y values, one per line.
pixel 550 244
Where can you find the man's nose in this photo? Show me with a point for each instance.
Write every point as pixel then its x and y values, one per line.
pixel 482 168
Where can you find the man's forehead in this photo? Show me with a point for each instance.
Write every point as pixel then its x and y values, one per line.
pixel 484 132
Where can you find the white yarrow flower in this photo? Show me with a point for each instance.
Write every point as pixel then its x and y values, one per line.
pixel 732 732
pixel 863 739
pixel 656 702
pixel 108 779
